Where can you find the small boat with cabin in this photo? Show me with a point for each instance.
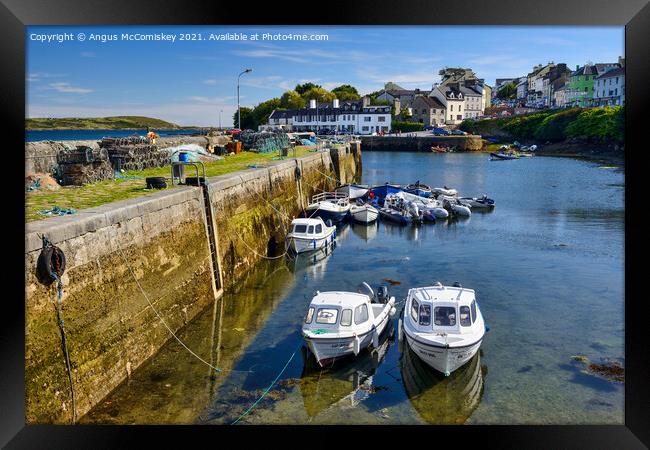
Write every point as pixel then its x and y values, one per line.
pixel 443 325
pixel 379 192
pixel 309 234
pixel 340 324
pixel 329 205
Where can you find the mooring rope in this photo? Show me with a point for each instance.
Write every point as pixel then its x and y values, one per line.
pixel 64 342
pixel 258 254
pixel 268 389
pixel 144 294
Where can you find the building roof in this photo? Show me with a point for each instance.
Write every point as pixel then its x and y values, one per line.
pixel 617 72
pixel 431 102
pixel 282 113
pixel 585 70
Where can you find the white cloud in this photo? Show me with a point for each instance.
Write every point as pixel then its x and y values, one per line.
pixel 67 88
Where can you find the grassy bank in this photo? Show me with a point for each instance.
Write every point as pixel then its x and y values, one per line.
pixel 96 194
pixel 98 123
pixel 601 125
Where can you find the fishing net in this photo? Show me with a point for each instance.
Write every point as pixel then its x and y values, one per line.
pixel 265 142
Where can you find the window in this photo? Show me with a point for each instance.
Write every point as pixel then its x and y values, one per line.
pixel 310 315
pixel 444 316
pixel 310 230
pixel 367 118
pixel 425 314
pixel 327 316
pixel 360 314
pixel 381 119
pixel 365 128
pixel 464 316
pixel 346 317
pixel 299 228
pixel 451 108
pixel 473 306
pixel 319 228
pixel 414 309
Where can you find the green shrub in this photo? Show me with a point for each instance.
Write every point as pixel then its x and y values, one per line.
pixel 605 123
pixel 406 127
pixel 553 126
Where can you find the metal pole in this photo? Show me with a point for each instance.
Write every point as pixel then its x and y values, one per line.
pixel 238 108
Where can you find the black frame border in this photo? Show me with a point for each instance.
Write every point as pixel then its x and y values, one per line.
pixel 633 14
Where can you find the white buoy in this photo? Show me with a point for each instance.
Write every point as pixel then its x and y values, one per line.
pixel 400 336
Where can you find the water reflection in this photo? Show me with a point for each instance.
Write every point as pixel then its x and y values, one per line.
pixel 348 382
pixel 311 264
pixel 439 399
pixel 363 231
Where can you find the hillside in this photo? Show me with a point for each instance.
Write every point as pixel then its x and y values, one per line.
pixel 98 123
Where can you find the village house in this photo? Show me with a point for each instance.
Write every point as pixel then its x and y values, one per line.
pixel 453 100
pixel 555 78
pixel 535 88
pixel 609 88
pixel 429 111
pixel 559 96
pixel 357 117
pixel 580 89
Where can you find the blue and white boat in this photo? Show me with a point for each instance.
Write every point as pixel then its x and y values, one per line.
pixel 308 235
pixel 379 192
pixel 419 189
pixel 329 206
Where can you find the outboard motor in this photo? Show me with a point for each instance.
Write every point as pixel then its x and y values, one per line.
pixel 364 288
pixel 382 294
pixel 414 210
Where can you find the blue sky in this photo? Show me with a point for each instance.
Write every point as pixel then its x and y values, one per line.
pixel 190 82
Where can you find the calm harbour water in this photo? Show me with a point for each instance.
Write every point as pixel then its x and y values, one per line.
pixel 547 267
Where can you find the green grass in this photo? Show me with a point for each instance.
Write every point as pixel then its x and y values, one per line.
pixel 100 193
pixel 108 123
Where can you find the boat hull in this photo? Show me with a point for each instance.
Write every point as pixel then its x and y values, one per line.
pixel 395 217
pixel 420 192
pixel 502 156
pixel 327 350
pixel 302 245
pixel 442 359
pixel 335 215
pixel 353 191
pixel 364 215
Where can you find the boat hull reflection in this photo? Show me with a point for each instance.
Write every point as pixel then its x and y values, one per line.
pixel 439 399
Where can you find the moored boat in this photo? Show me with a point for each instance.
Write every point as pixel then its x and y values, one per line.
pixel 341 324
pixel 364 213
pixel 379 192
pixel 498 156
pixel 454 207
pixel 329 205
pixel 309 234
pixel 445 191
pixel 427 205
pixel 353 191
pixel 477 202
pixel 419 189
pixel 443 325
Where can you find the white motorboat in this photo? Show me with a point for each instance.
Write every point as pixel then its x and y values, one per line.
pixel 364 213
pixel 353 191
pixel 477 202
pixel 340 324
pixel 445 191
pixel 309 234
pixel 443 325
pixel 329 205
pixel 452 205
pixel 424 204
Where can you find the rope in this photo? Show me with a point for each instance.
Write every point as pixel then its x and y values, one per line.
pixel 261 256
pixel 160 317
pixel 64 340
pixel 268 388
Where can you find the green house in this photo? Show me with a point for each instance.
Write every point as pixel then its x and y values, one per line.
pixel 580 88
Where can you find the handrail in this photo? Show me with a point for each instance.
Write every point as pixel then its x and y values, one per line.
pixel 329 196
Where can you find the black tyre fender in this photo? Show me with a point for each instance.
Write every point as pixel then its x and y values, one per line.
pixel 50 264
pixel 156 182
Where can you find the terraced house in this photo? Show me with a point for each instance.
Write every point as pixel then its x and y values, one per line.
pixel 580 88
pixel 609 88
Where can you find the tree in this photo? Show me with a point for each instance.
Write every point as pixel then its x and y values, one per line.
pixel 262 111
pixel 509 91
pixel 302 88
pixel 247 118
pixel 292 100
pixel 346 92
pixel 319 94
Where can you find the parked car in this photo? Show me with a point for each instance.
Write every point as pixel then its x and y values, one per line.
pixel 441 132
pixel 233 131
pixel 458 133
pixel 429 127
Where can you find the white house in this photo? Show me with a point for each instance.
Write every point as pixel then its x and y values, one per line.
pixel 280 119
pixel 452 98
pixel 357 117
pixel 609 88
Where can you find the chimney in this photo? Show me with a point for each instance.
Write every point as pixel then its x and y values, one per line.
pixel 312 104
pixel 398 105
pixel 335 103
pixel 366 101
pixel 577 66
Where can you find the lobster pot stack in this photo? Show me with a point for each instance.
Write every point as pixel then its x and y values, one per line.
pixel 134 153
pixel 83 165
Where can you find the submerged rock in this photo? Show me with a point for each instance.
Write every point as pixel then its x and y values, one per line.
pixel 608 369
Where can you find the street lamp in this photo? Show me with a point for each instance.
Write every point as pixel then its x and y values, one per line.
pixel 238 110
pixel 220 111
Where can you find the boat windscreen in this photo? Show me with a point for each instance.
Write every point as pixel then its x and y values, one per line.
pixel 327 316
pixel 445 316
pixel 464 317
pixel 299 228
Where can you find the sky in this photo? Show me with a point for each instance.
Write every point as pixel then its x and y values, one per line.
pixel 194 82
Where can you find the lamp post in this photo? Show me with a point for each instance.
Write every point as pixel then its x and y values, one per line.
pixel 220 111
pixel 238 110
